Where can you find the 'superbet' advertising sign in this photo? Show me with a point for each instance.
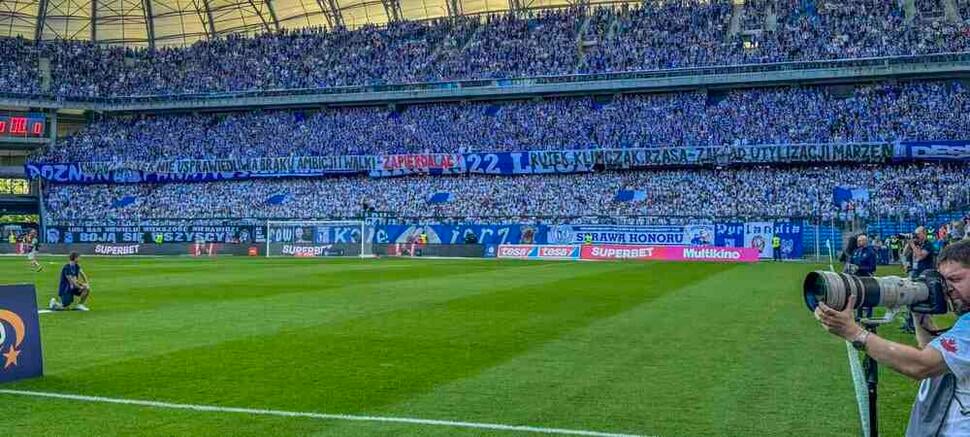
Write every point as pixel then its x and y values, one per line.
pixel 536 251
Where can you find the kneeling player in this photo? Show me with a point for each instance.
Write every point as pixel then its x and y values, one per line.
pixel 74 283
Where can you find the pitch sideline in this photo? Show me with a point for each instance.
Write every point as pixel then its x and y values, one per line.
pixel 859 386
pixel 320 416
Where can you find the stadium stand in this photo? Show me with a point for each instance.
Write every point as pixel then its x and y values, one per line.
pixel 899 191
pixel 864 113
pixel 574 40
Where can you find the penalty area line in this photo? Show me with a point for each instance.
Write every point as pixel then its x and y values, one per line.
pixel 321 416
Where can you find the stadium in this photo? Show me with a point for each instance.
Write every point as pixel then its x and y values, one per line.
pixel 481 217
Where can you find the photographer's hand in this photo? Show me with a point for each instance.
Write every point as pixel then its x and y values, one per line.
pixel 840 323
pixel 924 326
pixel 912 362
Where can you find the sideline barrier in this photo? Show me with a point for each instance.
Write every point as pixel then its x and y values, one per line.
pixel 227 249
pixel 670 253
pixel 690 232
pixel 536 251
pixel 507 251
pixel 185 249
pixel 619 252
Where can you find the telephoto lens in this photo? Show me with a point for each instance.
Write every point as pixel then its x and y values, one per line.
pixel 887 291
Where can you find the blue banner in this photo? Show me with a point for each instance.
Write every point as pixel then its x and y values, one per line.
pixel 729 234
pixel 148 233
pixel 690 235
pixel 199 170
pixel 791 239
pixel 841 195
pixel 20 351
pixel 935 150
pixel 458 234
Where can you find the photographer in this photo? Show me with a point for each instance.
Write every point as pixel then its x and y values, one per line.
pixel 851 244
pixel 944 365
pixel 918 257
pixel 920 254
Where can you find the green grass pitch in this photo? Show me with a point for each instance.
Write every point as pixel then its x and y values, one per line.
pixel 655 349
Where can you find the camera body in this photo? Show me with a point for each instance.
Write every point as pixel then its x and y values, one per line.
pixel 936 302
pixel 925 294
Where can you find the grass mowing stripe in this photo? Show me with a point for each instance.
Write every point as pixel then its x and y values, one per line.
pixel 585 346
pixel 735 354
pixel 361 363
pixel 323 416
pixel 114 336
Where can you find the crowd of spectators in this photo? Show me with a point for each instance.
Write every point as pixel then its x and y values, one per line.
pixel 865 113
pixel 894 191
pixel 18 67
pixel 655 35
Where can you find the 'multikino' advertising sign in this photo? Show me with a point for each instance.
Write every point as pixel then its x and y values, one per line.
pixel 603 252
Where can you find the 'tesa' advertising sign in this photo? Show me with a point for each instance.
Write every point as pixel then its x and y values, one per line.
pixel 20 353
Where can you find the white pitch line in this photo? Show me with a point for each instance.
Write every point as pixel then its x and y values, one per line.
pixel 44 311
pixel 859 384
pixel 324 416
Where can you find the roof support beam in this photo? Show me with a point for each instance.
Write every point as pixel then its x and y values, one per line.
pixel 338 16
pixel 393 10
pixel 332 12
pixel 454 7
pixel 519 7
pixel 146 6
pixel 94 21
pixel 41 20
pixel 212 22
pixel 259 13
pixel 326 14
pixel 272 14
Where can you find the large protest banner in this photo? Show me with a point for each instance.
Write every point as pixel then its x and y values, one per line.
pixel 199 170
pixel 489 163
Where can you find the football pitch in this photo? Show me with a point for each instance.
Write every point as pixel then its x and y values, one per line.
pixel 439 348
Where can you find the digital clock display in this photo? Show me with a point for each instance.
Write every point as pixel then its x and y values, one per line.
pixel 23 125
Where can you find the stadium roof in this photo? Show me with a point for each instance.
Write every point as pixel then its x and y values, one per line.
pixel 182 22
